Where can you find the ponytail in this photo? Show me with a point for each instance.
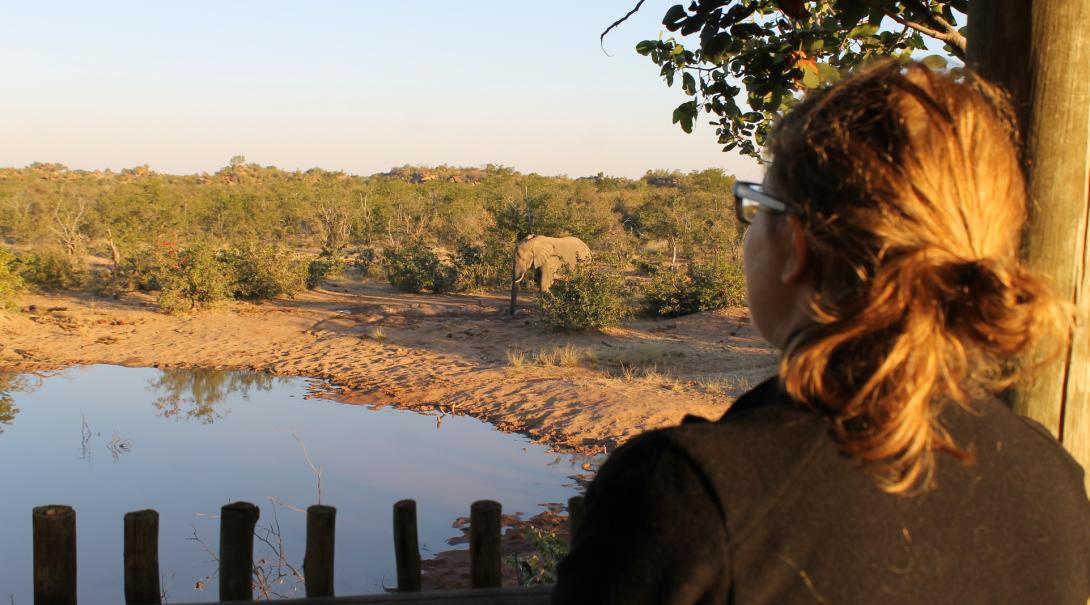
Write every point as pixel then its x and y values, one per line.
pixel 909 187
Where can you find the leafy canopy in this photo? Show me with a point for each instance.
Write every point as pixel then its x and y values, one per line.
pixel 753 58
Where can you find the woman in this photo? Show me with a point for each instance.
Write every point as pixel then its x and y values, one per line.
pixel 878 466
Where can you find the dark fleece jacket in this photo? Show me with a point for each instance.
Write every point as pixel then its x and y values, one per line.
pixel 760 507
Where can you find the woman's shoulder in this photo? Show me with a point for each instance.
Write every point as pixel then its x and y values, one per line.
pixel 1013 447
pixel 743 458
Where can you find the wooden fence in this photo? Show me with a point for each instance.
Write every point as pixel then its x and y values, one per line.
pixel 54 537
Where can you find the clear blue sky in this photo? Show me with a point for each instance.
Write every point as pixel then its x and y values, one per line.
pixel 356 86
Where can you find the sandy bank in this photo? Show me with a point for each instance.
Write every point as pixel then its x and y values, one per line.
pixel 440 354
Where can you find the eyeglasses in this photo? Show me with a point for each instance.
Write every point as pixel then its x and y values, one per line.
pixel 749 198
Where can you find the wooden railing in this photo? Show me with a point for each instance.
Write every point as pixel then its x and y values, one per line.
pixel 54 538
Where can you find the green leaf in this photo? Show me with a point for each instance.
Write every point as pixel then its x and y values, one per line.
pixel 828 73
pixel 688 84
pixel 674 16
pixel 934 62
pixel 851 11
pixel 685 114
pixel 865 30
pixel 645 47
pixel 810 78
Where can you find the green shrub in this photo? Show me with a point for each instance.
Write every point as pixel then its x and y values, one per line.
pixel 137 272
pixel 417 268
pixel 53 270
pixel 365 260
pixel 586 298
pixel 329 263
pixel 192 278
pixel 699 287
pixel 538 566
pixel 263 271
pixel 481 266
pixel 11 283
pixel 651 264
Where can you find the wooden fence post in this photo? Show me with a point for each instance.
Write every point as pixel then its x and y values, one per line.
pixel 142 558
pixel 237 523
pixel 406 549
pixel 318 561
pixel 484 544
pixel 54 538
pixel 576 507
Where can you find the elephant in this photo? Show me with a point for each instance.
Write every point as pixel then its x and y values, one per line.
pixel 545 255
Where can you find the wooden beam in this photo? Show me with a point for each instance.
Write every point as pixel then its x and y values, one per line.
pixel 484 544
pixel 318 562
pixel 406 548
pixel 54 543
pixel 1040 51
pixel 531 595
pixel 237 523
pixel 142 558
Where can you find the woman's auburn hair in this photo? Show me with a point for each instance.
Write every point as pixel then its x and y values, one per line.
pixel 910 189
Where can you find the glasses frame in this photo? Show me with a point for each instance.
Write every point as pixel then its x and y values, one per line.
pixel 747 190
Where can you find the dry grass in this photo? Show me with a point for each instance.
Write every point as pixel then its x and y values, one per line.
pixel 720 384
pixel 566 356
pixel 378 334
pixel 516 358
pixel 640 354
pixel 648 375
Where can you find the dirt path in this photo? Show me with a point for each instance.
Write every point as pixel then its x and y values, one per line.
pixel 440 354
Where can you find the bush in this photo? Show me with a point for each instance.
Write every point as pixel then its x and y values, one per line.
pixel 138 272
pixel 481 266
pixel 329 263
pixel 52 269
pixel 699 287
pixel 417 268
pixel 263 271
pixel 11 283
pixel 586 298
pixel 364 261
pixel 192 278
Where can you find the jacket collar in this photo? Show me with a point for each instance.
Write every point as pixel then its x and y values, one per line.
pixel 768 393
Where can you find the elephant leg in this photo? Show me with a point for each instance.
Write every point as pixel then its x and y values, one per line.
pixel 546 280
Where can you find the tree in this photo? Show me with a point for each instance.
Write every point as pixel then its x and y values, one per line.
pixel 775 49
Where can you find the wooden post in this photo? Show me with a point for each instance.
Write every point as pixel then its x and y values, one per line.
pixel 142 558
pixel 237 523
pixel 484 544
pixel 1050 83
pixel 54 538
pixel 406 549
pixel 318 561
pixel 576 507
pixel 514 284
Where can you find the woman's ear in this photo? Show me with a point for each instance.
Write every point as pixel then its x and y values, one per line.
pixel 797 261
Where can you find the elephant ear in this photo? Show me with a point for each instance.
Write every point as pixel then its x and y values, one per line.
pixel 543 251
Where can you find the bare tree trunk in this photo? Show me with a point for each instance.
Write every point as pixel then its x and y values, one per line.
pixel 514 284
pixel 115 254
pixel 1040 50
pixel 67 228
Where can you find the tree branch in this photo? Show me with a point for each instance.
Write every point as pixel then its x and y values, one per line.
pixel 935 26
pixel 602 38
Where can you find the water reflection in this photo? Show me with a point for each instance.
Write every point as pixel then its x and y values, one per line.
pixel 196 394
pixel 10 384
pixel 269 449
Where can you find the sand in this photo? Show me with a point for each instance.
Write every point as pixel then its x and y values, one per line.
pixel 449 354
